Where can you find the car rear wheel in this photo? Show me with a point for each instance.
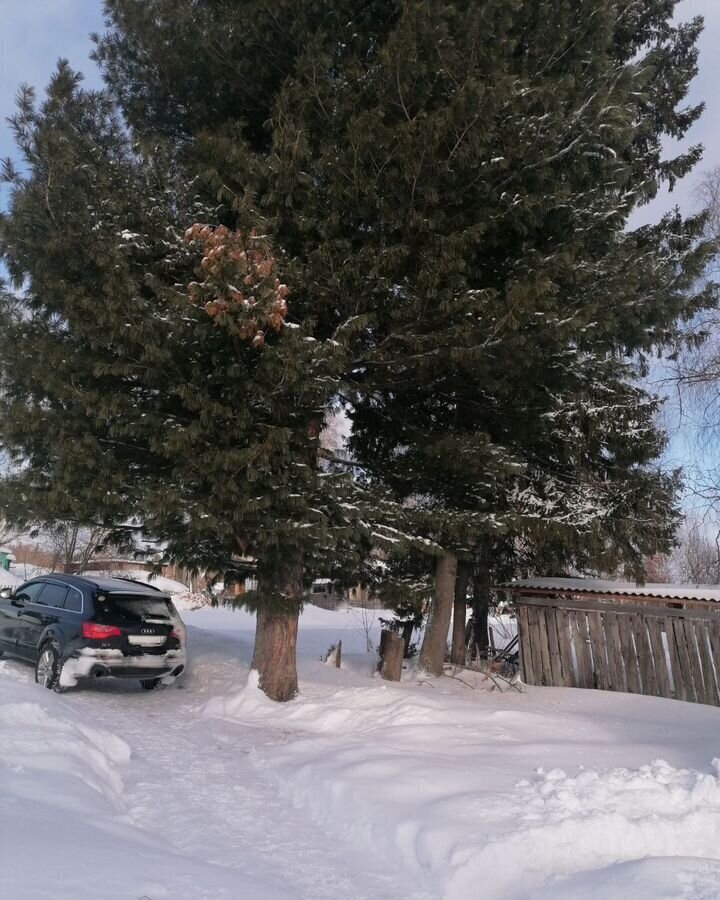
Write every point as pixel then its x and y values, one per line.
pixel 47 668
pixel 149 683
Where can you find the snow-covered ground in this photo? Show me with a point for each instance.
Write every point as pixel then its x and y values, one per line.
pixel 422 790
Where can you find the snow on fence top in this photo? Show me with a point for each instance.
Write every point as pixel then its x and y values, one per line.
pixel 620 588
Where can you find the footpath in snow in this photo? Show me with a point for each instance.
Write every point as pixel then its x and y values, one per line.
pixel 356 789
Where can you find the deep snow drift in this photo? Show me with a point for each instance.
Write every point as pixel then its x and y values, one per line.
pixel 67 831
pixel 428 789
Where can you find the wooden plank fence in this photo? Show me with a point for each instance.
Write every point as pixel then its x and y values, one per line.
pixel 662 649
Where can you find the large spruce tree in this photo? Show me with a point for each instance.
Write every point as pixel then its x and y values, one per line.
pixel 445 189
pixel 162 373
pixel 461 174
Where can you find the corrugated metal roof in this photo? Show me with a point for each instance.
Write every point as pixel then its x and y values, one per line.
pixel 597 586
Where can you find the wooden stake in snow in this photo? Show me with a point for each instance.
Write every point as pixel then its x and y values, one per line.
pixel 392 649
pixel 334 655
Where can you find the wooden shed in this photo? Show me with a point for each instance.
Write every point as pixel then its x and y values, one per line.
pixel 661 639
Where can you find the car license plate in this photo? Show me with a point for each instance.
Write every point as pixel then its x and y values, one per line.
pixel 141 640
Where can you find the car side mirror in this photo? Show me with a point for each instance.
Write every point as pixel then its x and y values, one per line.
pixel 6 593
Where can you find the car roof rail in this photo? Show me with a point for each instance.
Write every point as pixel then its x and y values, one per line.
pixel 137 581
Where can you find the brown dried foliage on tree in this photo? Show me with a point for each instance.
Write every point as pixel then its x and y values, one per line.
pixel 240 288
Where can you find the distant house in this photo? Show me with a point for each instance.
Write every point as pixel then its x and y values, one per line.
pixel 7 558
pixel 246 582
pixel 326 593
pixel 329 594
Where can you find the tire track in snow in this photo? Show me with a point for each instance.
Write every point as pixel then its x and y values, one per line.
pixel 190 781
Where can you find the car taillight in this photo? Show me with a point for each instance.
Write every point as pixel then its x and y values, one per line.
pixel 96 632
pixel 175 634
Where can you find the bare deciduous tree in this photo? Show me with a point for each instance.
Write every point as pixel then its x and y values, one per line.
pixel 695 374
pixel 658 569
pixel 75 545
pixel 696 559
pixel 707 195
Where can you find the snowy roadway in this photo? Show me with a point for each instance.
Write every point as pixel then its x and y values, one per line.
pixel 194 784
pixel 356 790
pixel 189 781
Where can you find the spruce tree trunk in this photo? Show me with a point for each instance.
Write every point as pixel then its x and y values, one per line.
pixel 457 652
pixel 279 601
pixel 432 655
pixel 481 605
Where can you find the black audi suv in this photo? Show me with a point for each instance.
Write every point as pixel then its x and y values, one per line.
pixel 74 627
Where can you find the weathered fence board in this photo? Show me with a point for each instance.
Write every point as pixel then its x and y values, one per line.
pixel 713 634
pixel 695 664
pixel 526 662
pixel 645 656
pixel 614 650
pixel 706 663
pixel 684 658
pixel 700 636
pixel 629 655
pixel 534 624
pixel 663 649
pixel 544 648
pixel 583 651
pixel 677 674
pixel 597 644
pixel 567 660
pixel 657 645
pixel 554 646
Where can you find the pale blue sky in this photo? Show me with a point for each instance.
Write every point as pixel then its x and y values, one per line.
pixel 706 87
pixel 33 35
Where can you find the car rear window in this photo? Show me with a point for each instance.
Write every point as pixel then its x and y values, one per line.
pixel 118 609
